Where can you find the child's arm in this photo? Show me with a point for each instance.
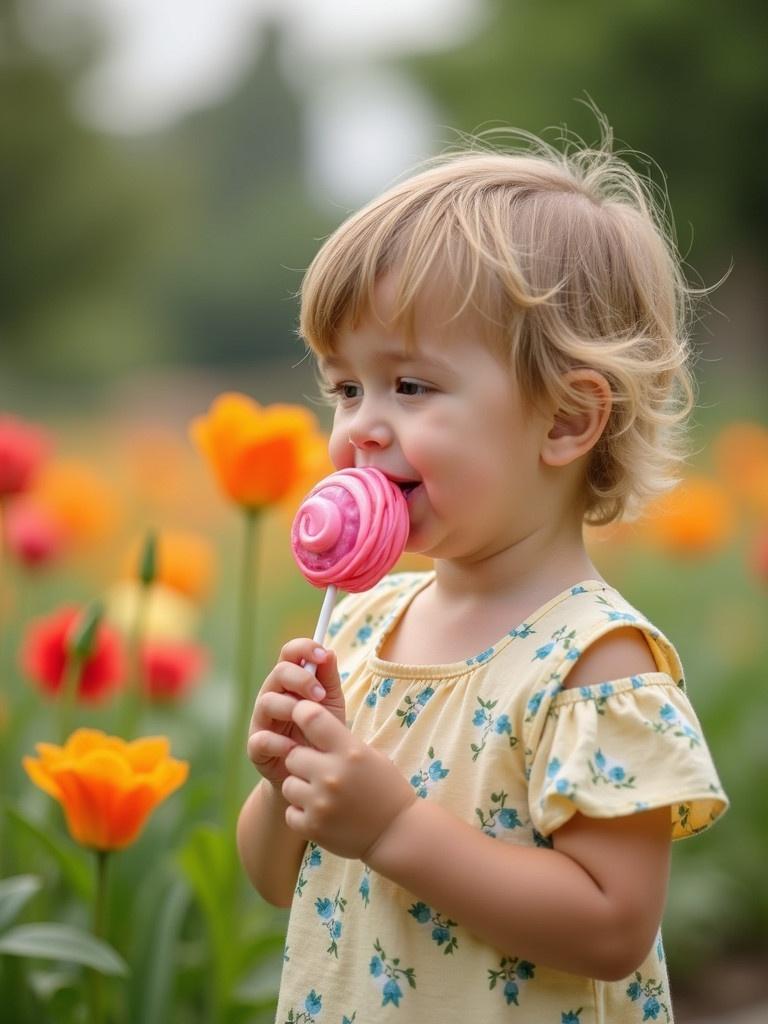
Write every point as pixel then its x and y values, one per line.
pixel 269 851
pixel 590 906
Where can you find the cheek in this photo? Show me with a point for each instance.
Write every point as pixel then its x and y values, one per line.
pixel 340 450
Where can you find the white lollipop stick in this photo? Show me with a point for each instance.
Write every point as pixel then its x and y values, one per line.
pixel 322 623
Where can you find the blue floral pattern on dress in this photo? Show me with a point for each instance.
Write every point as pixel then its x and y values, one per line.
pixel 423 780
pixel 511 971
pixel 365 632
pixel 379 690
pixel 672 721
pixel 441 926
pixel 606 770
pixel 650 992
pixel 327 911
pixel 387 975
pixel 412 707
pixel 313 1004
pixel 313 858
pixel 614 615
pixel 560 636
pixel 365 886
pixel 571 1016
pixel 498 816
pixel 522 632
pixel 484 719
pixel 558 783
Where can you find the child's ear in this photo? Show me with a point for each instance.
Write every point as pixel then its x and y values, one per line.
pixel 573 434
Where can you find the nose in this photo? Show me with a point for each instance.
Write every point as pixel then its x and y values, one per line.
pixel 369 429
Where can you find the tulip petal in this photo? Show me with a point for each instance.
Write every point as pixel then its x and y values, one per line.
pixel 41 777
pixel 144 754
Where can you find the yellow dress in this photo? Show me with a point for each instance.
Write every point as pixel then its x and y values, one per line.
pixel 500 742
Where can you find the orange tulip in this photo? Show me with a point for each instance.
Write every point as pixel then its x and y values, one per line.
pixel 185 562
pixel 741 456
pixel 107 787
pixel 696 518
pixel 257 453
pixel 80 500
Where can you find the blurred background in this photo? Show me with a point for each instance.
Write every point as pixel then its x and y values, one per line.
pixel 167 170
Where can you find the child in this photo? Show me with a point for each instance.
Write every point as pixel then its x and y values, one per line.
pixel 470 809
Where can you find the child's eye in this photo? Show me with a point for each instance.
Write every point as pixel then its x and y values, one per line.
pixel 345 391
pixel 412 388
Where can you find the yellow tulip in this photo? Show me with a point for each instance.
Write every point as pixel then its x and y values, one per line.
pixel 106 786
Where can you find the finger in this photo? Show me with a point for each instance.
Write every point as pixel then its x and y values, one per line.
pixel 328 674
pixel 295 679
pixel 322 729
pixel 265 744
pixel 278 706
pixel 296 791
pixel 304 762
pixel 296 820
pixel 303 649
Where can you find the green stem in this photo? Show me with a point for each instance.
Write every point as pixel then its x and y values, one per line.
pixel 242 705
pixel 99 930
pixel 68 697
pixel 133 701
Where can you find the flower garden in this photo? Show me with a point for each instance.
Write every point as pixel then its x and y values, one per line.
pixel 146 586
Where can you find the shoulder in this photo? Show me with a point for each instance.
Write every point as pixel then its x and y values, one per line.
pixel 358 617
pixel 623 652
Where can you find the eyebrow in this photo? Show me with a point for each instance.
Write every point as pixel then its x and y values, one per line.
pixel 332 362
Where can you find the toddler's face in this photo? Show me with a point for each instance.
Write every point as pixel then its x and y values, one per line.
pixel 445 421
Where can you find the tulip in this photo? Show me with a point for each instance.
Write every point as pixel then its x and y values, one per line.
pixel 80 499
pixel 23 448
pixel 46 653
pixel 106 786
pixel 256 453
pixel 259 455
pixel 741 457
pixel 184 561
pixel 107 789
pixel 33 535
pixel 169 615
pixel 696 518
pixel 169 669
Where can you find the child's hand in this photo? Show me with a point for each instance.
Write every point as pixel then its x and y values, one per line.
pixel 273 733
pixel 344 794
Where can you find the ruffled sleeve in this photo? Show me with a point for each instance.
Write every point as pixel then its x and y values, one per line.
pixel 619 748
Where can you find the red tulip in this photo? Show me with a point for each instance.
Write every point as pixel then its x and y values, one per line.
pixel 46 650
pixel 169 668
pixel 22 450
pixel 32 534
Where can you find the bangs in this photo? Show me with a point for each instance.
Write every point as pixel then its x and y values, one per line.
pixel 437 235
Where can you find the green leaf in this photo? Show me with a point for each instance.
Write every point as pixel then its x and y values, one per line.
pixel 52 941
pixel 14 893
pixel 71 860
pixel 161 956
pixel 207 862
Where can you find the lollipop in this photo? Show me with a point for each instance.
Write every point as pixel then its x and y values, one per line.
pixel 348 533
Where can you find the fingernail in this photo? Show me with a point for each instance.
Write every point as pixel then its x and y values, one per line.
pixel 318 653
pixel 318 691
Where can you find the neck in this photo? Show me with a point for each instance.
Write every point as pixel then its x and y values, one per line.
pixel 539 564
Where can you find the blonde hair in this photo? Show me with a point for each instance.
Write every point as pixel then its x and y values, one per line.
pixel 567 257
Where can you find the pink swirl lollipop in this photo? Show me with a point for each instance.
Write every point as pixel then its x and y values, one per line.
pixel 350 529
pixel 348 533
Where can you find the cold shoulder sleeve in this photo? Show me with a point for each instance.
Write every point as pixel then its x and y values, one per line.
pixel 619 748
